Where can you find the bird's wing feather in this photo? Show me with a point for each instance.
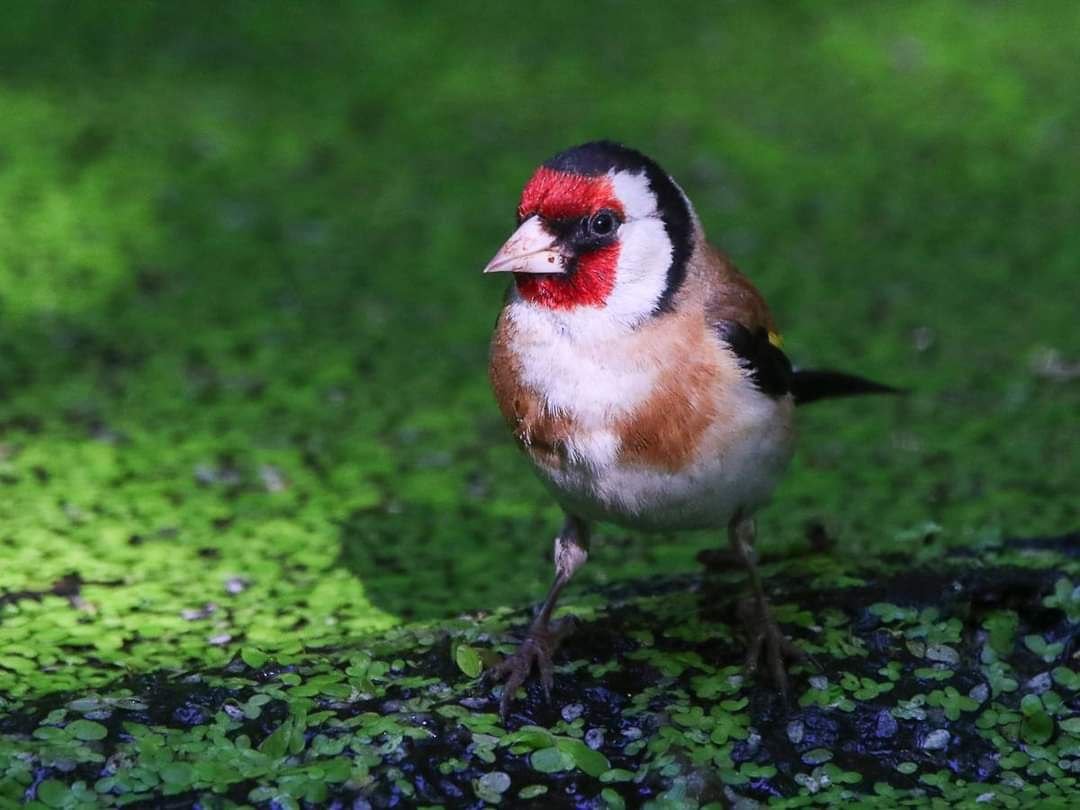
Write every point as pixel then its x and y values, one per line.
pixel 810 385
pixel 766 365
pixel 738 314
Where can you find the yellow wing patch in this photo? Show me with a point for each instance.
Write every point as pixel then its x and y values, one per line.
pixel 776 339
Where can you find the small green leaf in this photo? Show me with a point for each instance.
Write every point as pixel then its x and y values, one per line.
pixel 888 612
pixel 253 657
pixel 495 782
pixel 1037 726
pixel 86 730
pixel 1064 676
pixel 531 737
pixel 468 660
pixel 613 799
pixel 177 773
pixel 1047 652
pixel 1001 629
pixel 817 756
pixel 550 760
pixel 52 792
pixel 586 759
pixel 20 665
pixel 1014 759
pixel 277 743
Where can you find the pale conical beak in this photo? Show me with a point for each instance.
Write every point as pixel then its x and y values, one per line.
pixel 531 249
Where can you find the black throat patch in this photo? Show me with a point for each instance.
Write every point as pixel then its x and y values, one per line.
pixel 601 157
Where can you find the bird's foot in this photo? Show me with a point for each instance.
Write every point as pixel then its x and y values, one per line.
pixel 767 643
pixel 537 649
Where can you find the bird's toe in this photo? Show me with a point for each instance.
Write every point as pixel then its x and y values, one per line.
pixel 767 644
pixel 537 650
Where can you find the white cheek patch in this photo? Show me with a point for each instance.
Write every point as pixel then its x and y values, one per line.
pixel 645 251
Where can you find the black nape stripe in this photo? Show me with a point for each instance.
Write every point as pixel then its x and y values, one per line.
pixel 601 157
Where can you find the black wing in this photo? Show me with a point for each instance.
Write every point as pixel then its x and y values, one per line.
pixel 769 368
pixel 771 371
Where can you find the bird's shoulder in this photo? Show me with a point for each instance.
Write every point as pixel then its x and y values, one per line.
pixel 737 313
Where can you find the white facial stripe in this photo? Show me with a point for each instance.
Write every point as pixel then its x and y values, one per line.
pixel 633 191
pixel 641 273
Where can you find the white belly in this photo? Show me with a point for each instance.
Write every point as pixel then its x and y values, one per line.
pixel 704 494
pixel 736 464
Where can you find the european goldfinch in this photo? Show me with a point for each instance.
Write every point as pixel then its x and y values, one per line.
pixel 642 375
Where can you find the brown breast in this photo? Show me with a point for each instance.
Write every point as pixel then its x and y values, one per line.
pixel 540 432
pixel 666 429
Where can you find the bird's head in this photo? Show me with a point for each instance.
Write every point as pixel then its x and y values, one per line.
pixel 601 228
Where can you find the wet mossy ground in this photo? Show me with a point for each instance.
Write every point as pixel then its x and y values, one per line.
pixel 944 681
pixel 246 435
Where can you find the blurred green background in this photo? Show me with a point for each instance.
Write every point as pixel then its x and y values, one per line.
pixel 243 331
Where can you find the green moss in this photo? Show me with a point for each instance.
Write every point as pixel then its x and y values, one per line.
pixel 244 420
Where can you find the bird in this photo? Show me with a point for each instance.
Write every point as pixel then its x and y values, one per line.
pixel 644 378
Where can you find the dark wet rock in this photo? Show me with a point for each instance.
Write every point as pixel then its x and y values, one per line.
pixel 886 725
pixel 935 740
pixel 572 712
pixel 594 738
pixel 1039 683
pixel 796 730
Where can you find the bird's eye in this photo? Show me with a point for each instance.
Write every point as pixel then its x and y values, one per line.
pixel 603 223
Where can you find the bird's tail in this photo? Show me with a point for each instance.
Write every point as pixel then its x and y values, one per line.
pixel 809 385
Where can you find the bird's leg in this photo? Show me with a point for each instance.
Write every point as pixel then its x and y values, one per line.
pixel 763 633
pixel 544 636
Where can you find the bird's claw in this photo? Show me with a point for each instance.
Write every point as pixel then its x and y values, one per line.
pixel 537 649
pixel 767 642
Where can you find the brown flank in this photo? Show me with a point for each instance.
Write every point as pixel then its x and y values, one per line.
pixel 541 433
pixel 665 431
